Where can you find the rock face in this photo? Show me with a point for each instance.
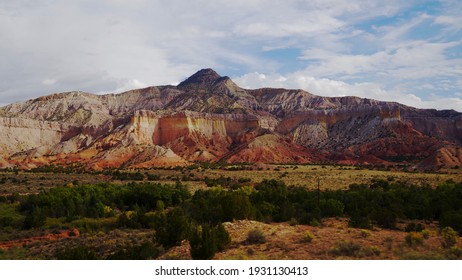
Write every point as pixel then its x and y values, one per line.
pixel 209 118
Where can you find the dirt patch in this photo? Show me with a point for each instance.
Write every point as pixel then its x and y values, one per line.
pixel 284 241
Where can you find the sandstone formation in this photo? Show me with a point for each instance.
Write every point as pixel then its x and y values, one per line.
pixel 209 118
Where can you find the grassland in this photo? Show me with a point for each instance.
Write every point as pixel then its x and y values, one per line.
pixel 330 177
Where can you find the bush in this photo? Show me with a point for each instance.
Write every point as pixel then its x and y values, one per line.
pixel 414 239
pixel 255 236
pixel 145 251
pixel 449 237
pixel 346 248
pixel 376 250
pixel 293 222
pixel 365 233
pixel 426 233
pixel 308 236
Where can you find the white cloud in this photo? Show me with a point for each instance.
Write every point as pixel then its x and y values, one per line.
pixel 111 45
pixel 49 82
pixel 414 59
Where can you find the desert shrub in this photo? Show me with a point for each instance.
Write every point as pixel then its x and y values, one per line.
pixel 376 250
pixel 414 239
pixel 368 252
pixel 365 233
pixel 293 222
pixel 308 236
pixel 426 233
pixel 255 236
pixel 346 248
pixel 145 251
pixel 315 222
pixel 448 237
pixel 77 253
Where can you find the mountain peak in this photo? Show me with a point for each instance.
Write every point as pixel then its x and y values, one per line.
pixel 204 77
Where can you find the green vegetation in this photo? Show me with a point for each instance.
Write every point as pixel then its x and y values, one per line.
pixel 380 204
pixel 414 239
pixel 449 237
pixel 9 216
pixel 346 248
pixel 308 236
pixel 206 240
pixel 174 214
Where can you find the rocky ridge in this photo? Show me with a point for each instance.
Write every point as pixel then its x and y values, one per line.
pixel 208 117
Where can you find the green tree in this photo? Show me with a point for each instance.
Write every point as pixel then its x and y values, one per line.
pixel 172 228
pixel 34 219
pixel 206 240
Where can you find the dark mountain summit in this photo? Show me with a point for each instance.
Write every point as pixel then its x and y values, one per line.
pixel 203 78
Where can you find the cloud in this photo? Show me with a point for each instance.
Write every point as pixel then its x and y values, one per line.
pixel 108 46
pixel 48 82
pixel 413 60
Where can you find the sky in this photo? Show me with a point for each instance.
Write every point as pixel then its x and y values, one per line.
pixel 404 51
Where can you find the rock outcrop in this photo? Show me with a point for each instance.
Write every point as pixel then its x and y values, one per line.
pixel 209 118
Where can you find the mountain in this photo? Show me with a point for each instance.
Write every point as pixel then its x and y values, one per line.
pixel 208 117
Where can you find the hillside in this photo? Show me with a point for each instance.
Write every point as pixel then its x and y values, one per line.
pixel 208 117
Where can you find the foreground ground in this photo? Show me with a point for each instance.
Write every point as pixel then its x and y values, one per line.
pixel 333 238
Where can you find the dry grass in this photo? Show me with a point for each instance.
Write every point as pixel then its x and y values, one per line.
pixel 331 177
